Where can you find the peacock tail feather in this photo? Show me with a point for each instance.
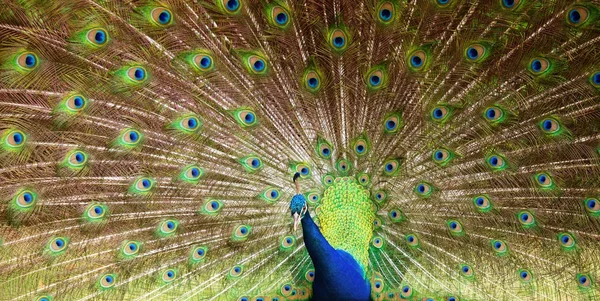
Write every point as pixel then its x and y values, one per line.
pixel 451 148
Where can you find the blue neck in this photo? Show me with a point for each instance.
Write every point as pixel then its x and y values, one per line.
pixel 337 274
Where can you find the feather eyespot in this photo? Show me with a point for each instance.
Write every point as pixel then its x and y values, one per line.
pixel 137 74
pixel 288 242
pixel 584 281
pixel 406 292
pixel 312 81
pixel 386 13
pixel 343 166
pixel 190 123
pixel 443 2
pixel 204 62
pixel 455 227
pixel 511 4
pixel 526 219
pixel 578 15
pixel 245 117
pixel 310 275
pixel 324 149
pixel 466 271
pixel 258 64
pixel 191 174
pixel 592 205
pixel 251 163
pixel 494 115
pixel 377 242
pixel 76 159
pixel 482 203
pixel 496 162
pixel 27 61
pixel 211 207
pixel 75 103
pixel 377 222
pixel 143 185
pixel 313 197
pixel 377 285
pixel 131 248
pixel 169 275
pixel 417 59
pixel 57 245
pixel 270 195
pixel 452 298
pixel 595 79
pixel 380 196
pixel 241 233
pixel 231 6
pixel 567 241
pixel 391 167
pixel 14 139
pixel 539 66
pixel 412 240
pixel 97 36
pixel 396 215
pixel 525 275
pixel 303 170
pixel 96 212
pixel 376 78
pixel 499 247
pixel 544 180
pixel 361 147
pixel 338 39
pixel 550 126
pixel 131 137
pixel 286 289
pixel 167 227
pixel 475 52
pixel 327 179
pixel 423 190
pixel 161 16
pixel 364 179
pixel 442 156
pixel 25 199
pixel 236 271
pixel 107 281
pixel 198 254
pixel 440 113
pixel 392 123
pixel 44 298
pixel 280 16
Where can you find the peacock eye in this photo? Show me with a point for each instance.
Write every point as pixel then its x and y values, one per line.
pixel 312 81
pixel 27 61
pixel 280 17
pixel 511 4
pixel 137 74
pixel 338 39
pixel 230 6
pixel 245 117
pixel 161 16
pixel 539 66
pixel 97 36
pixel 577 16
pixel 417 59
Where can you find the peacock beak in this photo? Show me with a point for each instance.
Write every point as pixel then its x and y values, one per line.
pixel 296 221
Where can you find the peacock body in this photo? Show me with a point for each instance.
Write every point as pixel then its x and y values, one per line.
pixel 443 150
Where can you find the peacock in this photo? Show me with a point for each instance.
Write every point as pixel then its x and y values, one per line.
pixel 271 150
